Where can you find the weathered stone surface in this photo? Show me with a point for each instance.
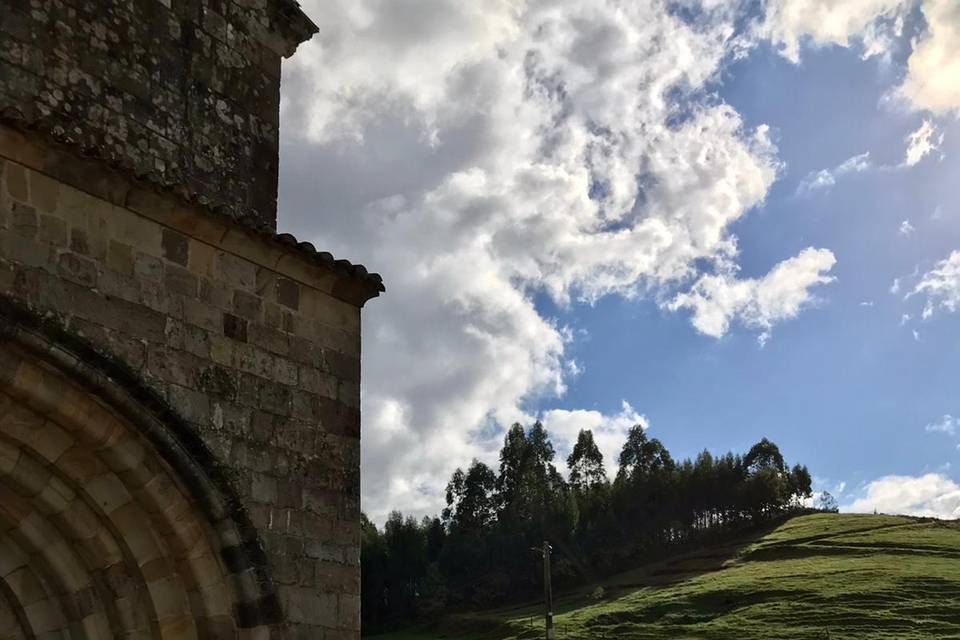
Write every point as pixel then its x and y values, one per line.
pixel 266 375
pixel 182 92
pixel 249 344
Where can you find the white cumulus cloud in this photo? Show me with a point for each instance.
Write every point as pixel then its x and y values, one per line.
pixel 906 228
pixel 931 495
pixel 479 154
pixel 716 300
pixel 934 66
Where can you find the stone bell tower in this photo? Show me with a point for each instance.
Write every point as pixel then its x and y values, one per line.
pixel 179 383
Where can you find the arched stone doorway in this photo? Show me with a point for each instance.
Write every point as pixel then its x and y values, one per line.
pixel 113 524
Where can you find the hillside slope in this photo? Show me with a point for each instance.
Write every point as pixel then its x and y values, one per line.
pixel 815 577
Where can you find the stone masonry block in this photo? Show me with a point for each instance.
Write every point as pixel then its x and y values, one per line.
pixel 349 611
pixel 200 258
pixel 79 241
pixel 264 489
pixel 176 247
pixel 288 293
pixel 147 267
pixel 15 177
pixel 247 305
pixel 203 315
pixel 120 258
pixel 312 607
pixel 77 269
pixel 236 272
pixel 235 327
pixel 269 339
pixel 23 220
pixel 44 192
pixel 179 281
pixel 53 231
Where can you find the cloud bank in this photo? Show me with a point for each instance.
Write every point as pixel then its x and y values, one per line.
pixel 931 495
pixel 482 154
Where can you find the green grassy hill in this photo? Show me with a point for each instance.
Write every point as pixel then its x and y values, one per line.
pixel 814 577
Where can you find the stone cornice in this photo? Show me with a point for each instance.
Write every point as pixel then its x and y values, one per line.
pixel 190 215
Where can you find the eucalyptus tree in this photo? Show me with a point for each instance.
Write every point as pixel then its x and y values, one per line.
pixel 585 463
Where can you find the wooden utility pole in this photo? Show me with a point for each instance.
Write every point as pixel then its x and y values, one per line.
pixel 547 592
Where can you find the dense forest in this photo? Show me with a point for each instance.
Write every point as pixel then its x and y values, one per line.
pixel 479 550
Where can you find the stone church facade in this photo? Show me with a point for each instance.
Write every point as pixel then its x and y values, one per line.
pixel 179 384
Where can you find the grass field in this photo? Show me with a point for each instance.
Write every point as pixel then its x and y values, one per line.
pixel 816 577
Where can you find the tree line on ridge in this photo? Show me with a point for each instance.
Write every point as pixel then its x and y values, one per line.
pixel 478 551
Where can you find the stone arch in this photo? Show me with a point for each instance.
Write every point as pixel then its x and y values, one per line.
pixel 115 519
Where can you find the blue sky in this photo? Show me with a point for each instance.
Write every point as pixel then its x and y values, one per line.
pixel 601 213
pixel 846 389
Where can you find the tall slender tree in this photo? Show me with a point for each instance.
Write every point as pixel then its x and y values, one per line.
pixel 510 484
pixel 641 456
pixel 470 500
pixel 800 483
pixel 585 463
pixel 764 455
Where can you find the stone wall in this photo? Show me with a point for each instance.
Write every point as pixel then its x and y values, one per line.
pixel 253 344
pixel 182 92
